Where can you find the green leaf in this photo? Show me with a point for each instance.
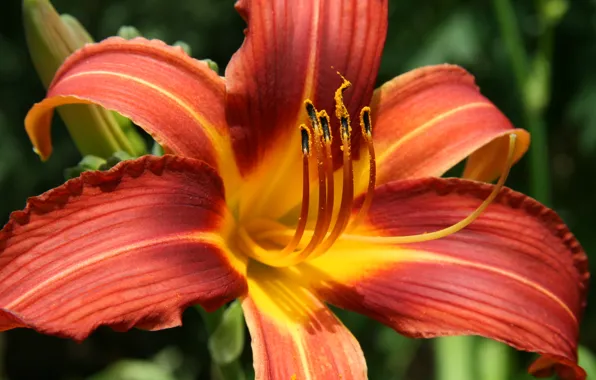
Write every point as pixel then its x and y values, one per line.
pixel 587 360
pixel 134 370
pixel 227 341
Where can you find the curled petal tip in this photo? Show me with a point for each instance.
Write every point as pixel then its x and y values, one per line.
pixel 148 73
pixel 429 119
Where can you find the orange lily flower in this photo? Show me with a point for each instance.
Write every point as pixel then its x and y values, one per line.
pixel 281 192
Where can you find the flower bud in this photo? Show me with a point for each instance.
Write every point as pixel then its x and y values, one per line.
pixel 51 38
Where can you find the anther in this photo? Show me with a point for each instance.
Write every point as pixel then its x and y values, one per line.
pixel 347 196
pixel 345 128
pixel 311 111
pixel 365 122
pixel 324 120
pixel 305 133
pixel 322 223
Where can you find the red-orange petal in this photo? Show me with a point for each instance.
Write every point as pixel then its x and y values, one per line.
pixel 177 99
pixel 431 118
pixel 133 246
pixel 516 274
pixel 291 52
pixel 294 335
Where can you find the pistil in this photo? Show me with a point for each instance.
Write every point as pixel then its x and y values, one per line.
pixel 451 229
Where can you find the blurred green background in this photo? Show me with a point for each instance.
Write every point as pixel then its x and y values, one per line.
pixel 560 96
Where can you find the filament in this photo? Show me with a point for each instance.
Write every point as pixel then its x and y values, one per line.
pixel 453 228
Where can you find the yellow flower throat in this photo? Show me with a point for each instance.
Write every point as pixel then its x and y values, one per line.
pixel 274 244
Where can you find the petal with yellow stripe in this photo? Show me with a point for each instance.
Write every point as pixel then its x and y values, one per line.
pixel 429 119
pixel 176 99
pixel 516 274
pixel 133 246
pixel 294 335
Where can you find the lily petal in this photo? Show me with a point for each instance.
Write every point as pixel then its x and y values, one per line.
pixel 431 118
pixel 516 274
pixel 291 52
pixel 176 99
pixel 129 247
pixel 294 335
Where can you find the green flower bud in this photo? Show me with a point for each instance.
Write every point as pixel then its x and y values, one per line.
pixel 212 65
pixel 87 163
pixel 186 47
pixel 51 38
pixel 128 32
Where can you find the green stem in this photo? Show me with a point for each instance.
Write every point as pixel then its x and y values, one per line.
pixel 491 358
pixel 532 111
pixel 455 358
pixel 538 155
pixel 513 42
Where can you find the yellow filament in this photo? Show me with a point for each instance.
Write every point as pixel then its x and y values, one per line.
pixel 454 228
pixel 366 128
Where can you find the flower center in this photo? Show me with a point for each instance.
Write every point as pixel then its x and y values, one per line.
pixel 317 148
pixel 275 244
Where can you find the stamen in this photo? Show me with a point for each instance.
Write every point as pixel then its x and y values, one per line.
pixel 347 197
pixel 366 129
pixel 303 218
pixel 322 224
pixel 327 140
pixel 306 141
pixel 454 228
pixel 272 257
pixel 324 120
